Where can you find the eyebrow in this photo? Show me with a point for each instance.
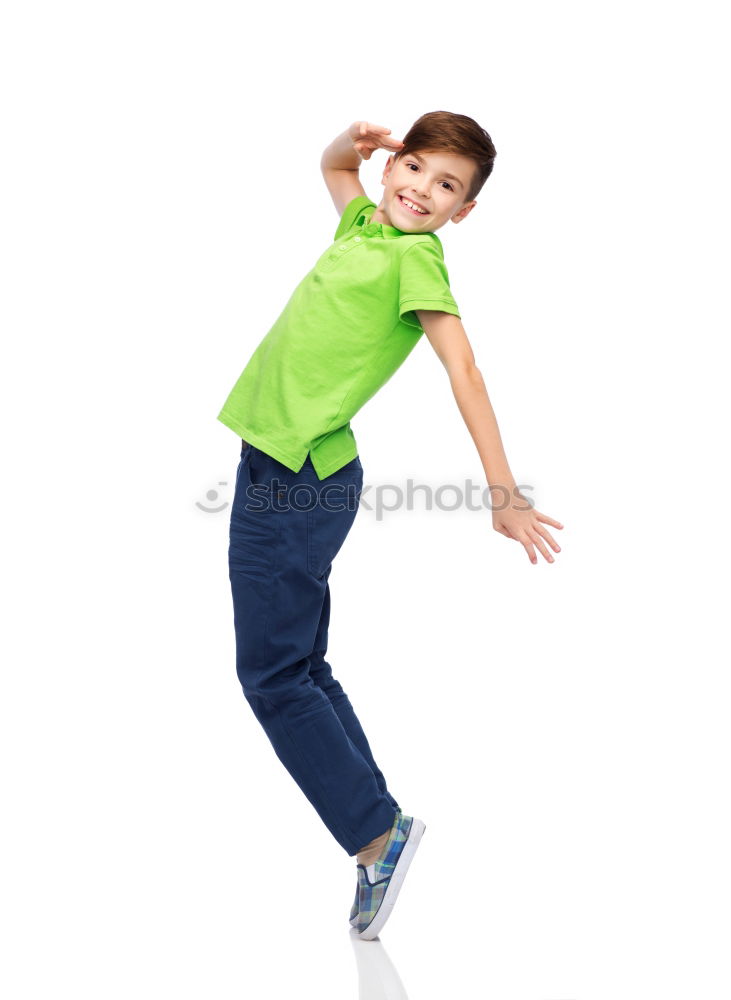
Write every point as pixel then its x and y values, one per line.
pixel 445 174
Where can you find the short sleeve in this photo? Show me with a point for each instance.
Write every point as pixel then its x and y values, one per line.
pixel 424 283
pixel 350 213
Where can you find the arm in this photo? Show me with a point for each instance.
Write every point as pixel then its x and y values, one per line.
pixel 341 160
pixel 340 164
pixel 449 340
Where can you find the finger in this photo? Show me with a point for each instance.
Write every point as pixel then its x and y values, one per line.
pixel 538 542
pixel 531 554
pixel 547 520
pixel 549 538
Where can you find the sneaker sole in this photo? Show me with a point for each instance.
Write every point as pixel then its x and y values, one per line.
pixel 397 880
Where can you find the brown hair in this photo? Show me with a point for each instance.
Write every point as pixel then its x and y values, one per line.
pixel 452 133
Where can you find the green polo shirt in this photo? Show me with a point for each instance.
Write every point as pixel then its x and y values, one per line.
pixel 346 329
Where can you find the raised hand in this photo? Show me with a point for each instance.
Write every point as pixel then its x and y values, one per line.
pixel 368 137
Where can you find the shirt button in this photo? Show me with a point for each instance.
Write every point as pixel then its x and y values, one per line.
pixel 357 239
pixel 343 248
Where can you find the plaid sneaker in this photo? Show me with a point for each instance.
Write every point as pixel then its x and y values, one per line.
pixel 380 883
pixel 355 907
pixel 353 918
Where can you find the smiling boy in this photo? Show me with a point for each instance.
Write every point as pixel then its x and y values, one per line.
pixel 347 327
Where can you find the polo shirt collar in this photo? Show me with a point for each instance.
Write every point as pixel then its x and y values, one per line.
pixel 377 228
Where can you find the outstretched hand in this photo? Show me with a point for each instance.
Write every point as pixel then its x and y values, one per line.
pixel 524 524
pixel 368 137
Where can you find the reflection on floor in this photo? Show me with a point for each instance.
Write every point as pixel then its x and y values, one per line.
pixel 377 976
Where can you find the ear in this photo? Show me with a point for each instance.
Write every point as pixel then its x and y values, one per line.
pixel 464 211
pixel 387 168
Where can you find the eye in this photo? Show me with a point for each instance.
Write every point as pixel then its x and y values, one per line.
pixel 416 167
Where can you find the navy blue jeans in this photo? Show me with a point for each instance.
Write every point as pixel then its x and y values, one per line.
pixel 286 529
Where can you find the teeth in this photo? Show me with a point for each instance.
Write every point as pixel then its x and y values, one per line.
pixel 412 205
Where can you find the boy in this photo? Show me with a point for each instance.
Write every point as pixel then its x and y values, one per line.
pixel 347 327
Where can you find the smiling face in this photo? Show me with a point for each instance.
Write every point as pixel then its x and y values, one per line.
pixel 424 190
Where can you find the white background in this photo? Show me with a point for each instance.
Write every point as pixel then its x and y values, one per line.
pixel 562 729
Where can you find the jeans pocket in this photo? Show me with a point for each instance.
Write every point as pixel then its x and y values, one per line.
pixel 255 529
pixel 329 520
pixel 243 458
